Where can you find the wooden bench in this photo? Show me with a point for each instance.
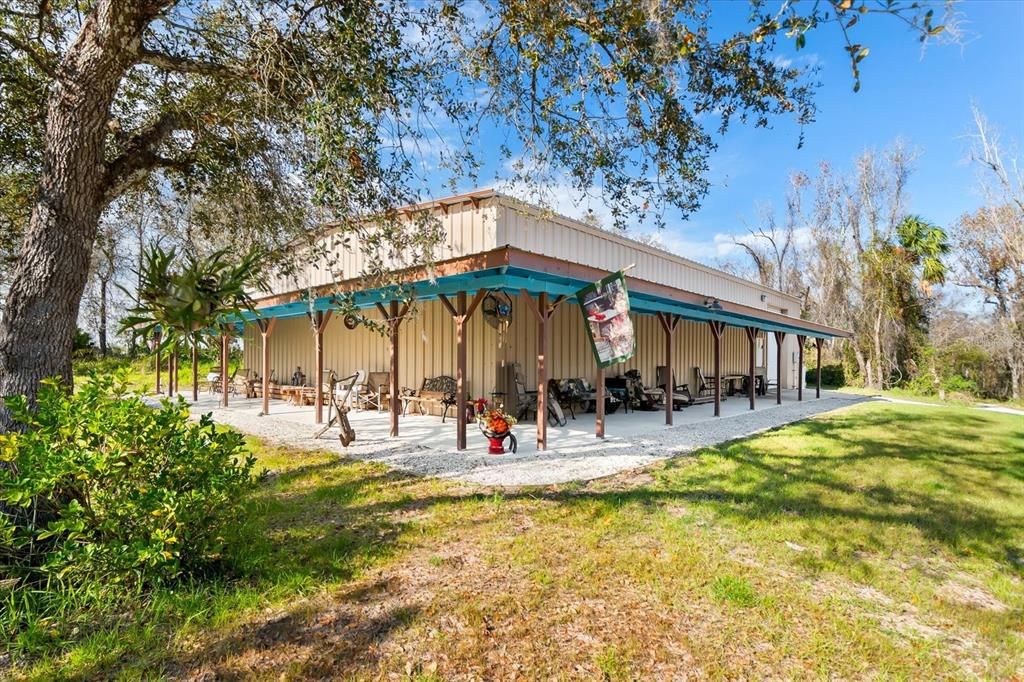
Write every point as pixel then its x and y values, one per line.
pixel 275 390
pixel 440 390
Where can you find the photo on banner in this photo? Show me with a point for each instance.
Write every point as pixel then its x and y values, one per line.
pixel 605 308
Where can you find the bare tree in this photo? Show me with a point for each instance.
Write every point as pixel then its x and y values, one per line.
pixel 860 275
pixel 990 245
pixel 107 264
pixel 774 249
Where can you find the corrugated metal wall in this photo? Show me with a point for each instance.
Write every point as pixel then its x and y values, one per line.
pixel 528 228
pixel 571 355
pixel 501 221
pixel 467 230
pixel 427 348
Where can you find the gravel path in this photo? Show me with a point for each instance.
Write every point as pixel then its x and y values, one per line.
pixel 594 459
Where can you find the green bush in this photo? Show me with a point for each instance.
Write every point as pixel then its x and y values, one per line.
pixel 959 384
pixel 102 490
pixel 831 375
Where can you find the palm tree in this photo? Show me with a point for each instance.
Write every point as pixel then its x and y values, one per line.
pixel 156 314
pixel 924 244
pixel 212 291
pixel 186 304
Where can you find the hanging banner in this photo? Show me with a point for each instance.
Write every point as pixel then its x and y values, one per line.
pixel 605 307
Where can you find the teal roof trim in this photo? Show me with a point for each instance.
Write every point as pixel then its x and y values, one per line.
pixel 512 279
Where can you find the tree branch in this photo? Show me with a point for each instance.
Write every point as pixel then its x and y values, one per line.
pixel 140 153
pixel 168 62
pixel 37 57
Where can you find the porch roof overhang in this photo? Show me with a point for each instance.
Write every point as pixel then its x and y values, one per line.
pixel 511 270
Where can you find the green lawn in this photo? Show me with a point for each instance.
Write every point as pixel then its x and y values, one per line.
pixel 140 373
pixel 953 399
pixel 881 541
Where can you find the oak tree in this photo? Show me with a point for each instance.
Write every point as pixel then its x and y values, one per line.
pixel 303 112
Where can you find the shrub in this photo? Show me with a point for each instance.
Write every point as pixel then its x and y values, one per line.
pixel 831 375
pixel 101 489
pixel 960 385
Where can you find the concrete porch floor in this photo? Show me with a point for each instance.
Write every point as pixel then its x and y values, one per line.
pixel 426 446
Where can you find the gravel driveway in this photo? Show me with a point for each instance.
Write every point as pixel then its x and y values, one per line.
pixel 576 459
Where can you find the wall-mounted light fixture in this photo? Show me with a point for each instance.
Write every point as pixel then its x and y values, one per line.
pixel 764 297
pixel 712 304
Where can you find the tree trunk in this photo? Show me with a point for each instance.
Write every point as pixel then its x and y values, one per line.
pixel 862 365
pixel 1015 381
pixel 102 331
pixel 195 370
pixel 38 327
pixel 879 380
pixel 140 234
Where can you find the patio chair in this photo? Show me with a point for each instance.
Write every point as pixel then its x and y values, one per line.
pixel 213 382
pixel 554 404
pixel 618 390
pixel 705 387
pixel 236 382
pixel 680 392
pixel 575 392
pixel 527 400
pixel 375 391
pixel 353 397
pixel 643 397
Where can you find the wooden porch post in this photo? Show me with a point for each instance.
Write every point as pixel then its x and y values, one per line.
pixel 800 338
pixel 751 379
pixel 224 340
pixel 779 338
pixel 716 332
pixel 266 328
pixel 156 342
pixel 668 324
pixel 461 312
pixel 817 389
pixel 599 408
pixel 393 323
pixel 394 319
pixel 320 319
pixel 543 311
pixel 542 372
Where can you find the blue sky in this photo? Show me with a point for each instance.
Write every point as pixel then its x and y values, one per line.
pixel 922 97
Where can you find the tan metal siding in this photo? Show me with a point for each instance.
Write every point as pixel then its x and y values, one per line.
pixel 571 355
pixel 467 230
pixel 534 230
pixel 427 348
pixel 501 221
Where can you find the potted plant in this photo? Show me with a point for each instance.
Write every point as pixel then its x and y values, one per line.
pixel 497 425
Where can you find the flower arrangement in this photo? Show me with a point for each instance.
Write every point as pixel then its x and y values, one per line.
pixel 495 420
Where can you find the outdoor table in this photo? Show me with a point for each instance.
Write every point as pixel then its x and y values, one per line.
pixel 293 394
pixel 730 382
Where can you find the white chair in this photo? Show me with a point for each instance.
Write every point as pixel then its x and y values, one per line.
pixel 354 397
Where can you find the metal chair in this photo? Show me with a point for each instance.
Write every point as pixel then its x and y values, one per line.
pixel 680 392
pixel 643 397
pixel 375 391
